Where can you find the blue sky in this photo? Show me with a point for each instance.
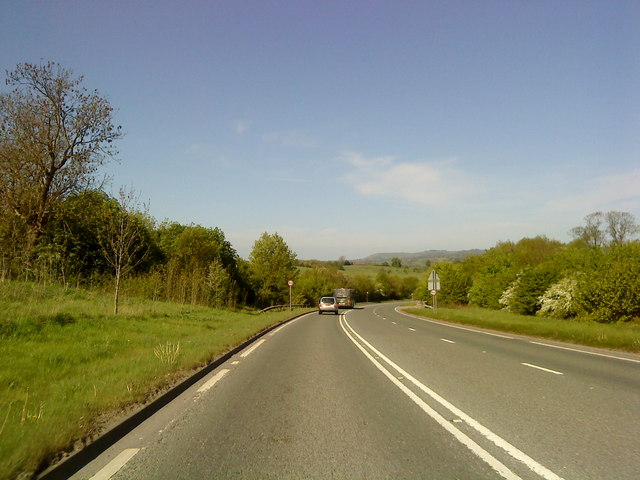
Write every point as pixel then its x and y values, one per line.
pixel 357 127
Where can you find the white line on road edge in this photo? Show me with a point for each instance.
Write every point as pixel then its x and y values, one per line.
pixel 250 350
pixel 215 379
pixel 586 351
pixel 484 431
pixel 448 341
pixel 430 320
pixel 493 462
pixel 542 368
pixel 116 464
pixel 283 326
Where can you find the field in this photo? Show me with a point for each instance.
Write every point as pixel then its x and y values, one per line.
pixel 620 336
pixel 68 365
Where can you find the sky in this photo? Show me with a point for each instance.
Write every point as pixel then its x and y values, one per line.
pixel 356 127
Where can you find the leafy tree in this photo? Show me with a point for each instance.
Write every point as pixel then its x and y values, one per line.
pixel 611 292
pixel 272 265
pixel 396 262
pixel 455 283
pixel 524 294
pixel 317 282
pixel 54 134
pixel 496 271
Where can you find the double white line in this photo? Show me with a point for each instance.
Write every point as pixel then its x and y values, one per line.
pixel 448 426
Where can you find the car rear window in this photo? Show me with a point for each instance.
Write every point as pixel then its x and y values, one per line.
pixel 328 300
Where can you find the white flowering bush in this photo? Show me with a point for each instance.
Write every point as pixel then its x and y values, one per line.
pixel 508 297
pixel 558 300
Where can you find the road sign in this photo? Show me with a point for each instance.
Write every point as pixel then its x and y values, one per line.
pixel 290 283
pixel 434 281
pixel 434 293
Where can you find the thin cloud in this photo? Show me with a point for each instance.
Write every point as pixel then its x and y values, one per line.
pixel 429 184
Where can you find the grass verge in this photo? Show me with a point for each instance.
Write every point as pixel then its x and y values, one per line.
pixel 68 365
pixel 618 336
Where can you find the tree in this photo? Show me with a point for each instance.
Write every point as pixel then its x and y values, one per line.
pixel 620 226
pixel 123 244
pixel 592 233
pixel 396 262
pixel 272 265
pixel 54 134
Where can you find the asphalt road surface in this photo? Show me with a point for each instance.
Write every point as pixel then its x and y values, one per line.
pixel 376 394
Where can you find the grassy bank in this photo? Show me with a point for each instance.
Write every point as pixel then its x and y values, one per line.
pixel 619 336
pixel 67 364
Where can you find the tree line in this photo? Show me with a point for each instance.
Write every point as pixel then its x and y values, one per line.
pixel 595 277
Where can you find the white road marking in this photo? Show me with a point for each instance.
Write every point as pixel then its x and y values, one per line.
pixel 586 351
pixel 250 350
pixel 116 464
pixel 271 334
pixel 484 431
pixel 215 379
pixel 443 422
pixel 448 341
pixel 453 326
pixel 542 368
pixel 395 323
pixel 412 329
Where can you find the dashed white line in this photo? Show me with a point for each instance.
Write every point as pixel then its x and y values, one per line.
pixel 412 329
pixel 484 431
pixel 397 309
pixel 250 350
pixel 548 370
pixel 116 464
pixel 215 379
pixel 446 340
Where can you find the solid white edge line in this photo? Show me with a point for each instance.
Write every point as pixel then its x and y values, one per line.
pixel 213 380
pixel 111 468
pixel 397 309
pixel 542 368
pixel 271 334
pixel 493 462
pixel 498 441
pixel 250 350
pixel 585 351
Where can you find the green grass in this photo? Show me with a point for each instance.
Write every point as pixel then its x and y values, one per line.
pixel 619 336
pixel 67 363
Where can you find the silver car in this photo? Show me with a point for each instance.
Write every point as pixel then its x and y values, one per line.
pixel 328 304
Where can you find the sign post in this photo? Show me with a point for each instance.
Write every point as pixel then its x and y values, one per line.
pixel 290 283
pixel 434 286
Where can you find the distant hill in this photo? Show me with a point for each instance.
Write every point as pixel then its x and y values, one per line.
pixel 420 257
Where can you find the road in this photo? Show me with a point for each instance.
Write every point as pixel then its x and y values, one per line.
pixel 376 394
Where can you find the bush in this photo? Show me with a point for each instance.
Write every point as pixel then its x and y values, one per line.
pixel 611 293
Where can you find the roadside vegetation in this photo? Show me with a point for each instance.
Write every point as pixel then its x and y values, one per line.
pixel 69 365
pixel 595 278
pixel 618 336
